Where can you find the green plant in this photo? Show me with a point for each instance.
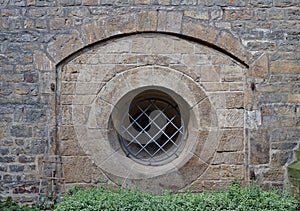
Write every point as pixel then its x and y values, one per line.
pixel 48 201
pixel 234 198
pixel 10 205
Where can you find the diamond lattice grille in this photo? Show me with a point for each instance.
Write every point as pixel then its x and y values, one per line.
pixel 152 131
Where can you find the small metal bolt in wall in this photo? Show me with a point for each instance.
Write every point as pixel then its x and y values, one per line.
pixel 52 87
pixel 252 86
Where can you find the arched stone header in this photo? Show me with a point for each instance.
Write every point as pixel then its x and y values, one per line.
pixel 172 22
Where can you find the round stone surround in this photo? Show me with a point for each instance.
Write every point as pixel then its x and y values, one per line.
pixel 103 82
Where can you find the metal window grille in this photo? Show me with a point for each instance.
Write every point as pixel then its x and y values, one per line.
pixel 152 131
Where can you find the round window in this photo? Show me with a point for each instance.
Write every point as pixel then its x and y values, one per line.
pixel 151 129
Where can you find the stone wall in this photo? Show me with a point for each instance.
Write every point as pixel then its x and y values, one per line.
pixel 41 40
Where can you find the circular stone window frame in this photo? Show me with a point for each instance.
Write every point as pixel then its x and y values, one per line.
pixel 97 137
pixel 152 114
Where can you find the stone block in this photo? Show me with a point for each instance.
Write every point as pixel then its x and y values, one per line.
pixel 261 46
pixel 221 60
pixel 71 148
pixel 80 114
pixel 46 81
pixel 294 98
pixel 192 169
pixel 198 31
pixel 284 68
pixel 281 158
pixel 21 131
pixel 26 159
pixel 66 114
pixel 197 14
pixel 234 158
pixel 238 14
pixel 58 23
pixel 234 100
pixel 231 140
pixel 262 4
pixel 213 172
pixel 259 146
pixel 140 45
pixel 35 115
pixel 66 99
pixel 12 77
pixel 233 172
pixel 196 59
pixel 162 60
pixel 212 185
pixel 87 88
pixel 98 73
pixel 169 21
pixel 121 24
pixel 260 67
pixel 16 168
pixel 232 73
pixel 35 147
pixel 70 72
pixel 231 118
pixel 64 45
pixel 207 73
pixel 252 119
pixel 283 146
pixel 213 86
pixel 94 31
pixel 83 99
pixel 183 46
pixel 205 114
pixel 233 45
pixel 162 45
pixel 4 151
pixel 147 21
pixel 67 133
pixel 3 168
pixel 201 140
pixel 273 174
pixel 118 47
pixel 7 159
pixel 89 3
pixel 77 169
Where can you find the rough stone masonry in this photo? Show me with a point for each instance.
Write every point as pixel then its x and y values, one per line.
pixel 66 66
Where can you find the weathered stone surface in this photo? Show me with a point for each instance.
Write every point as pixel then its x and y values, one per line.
pixel 294 98
pixel 192 169
pixel 169 21
pixel 240 14
pixel 260 67
pixel 147 21
pixel 77 169
pixel 65 45
pixel 231 118
pixel 21 131
pixel 232 45
pixel 71 147
pixel 259 147
pixel 284 68
pixel 229 158
pixel 57 57
pixel 199 14
pixel 193 29
pixel 232 140
pixel 233 172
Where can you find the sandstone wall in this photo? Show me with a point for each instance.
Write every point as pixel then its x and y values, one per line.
pixel 258 103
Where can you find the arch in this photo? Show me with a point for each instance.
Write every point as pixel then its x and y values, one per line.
pixel 66 46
